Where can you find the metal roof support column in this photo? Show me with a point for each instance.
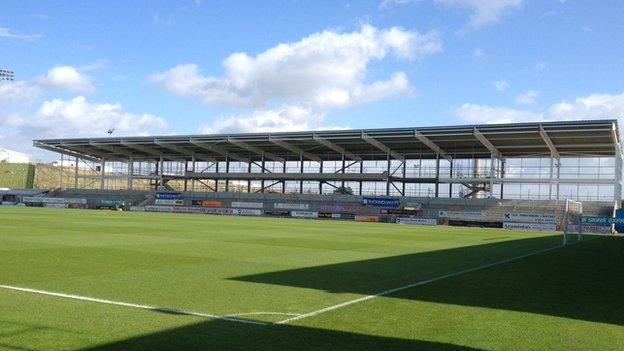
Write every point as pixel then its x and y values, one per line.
pixel 558 176
pixel 361 171
pixel 492 170
pixel 617 184
pixel 437 183
pixel 61 173
pixel 388 180
pixel 320 181
pixel 161 170
pixel 185 178
pixel 554 155
pixel 420 173
pixel 193 170
pixel 502 184
pixel 403 173
pixel 102 172
pixel 284 182
pixel 216 188
pixel 343 170
pixel 550 177
pixel 227 170
pixel 263 163
pixel 249 181
pixel 131 173
pixel 301 171
pixel 76 172
pixel 451 184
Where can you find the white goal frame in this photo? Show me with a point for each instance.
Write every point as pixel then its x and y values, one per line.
pixel 573 212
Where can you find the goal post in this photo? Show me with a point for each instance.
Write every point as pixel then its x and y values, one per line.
pixel 572 215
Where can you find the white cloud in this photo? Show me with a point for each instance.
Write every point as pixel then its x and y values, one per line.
pixel 20 91
pixel 475 113
pixel 162 21
pixel 500 85
pixel 594 106
pixel 324 69
pixel 387 3
pixel 285 119
pixel 67 77
pixel 59 77
pixel 6 33
pixel 77 117
pixel 93 66
pixel 540 66
pixel 483 11
pixel 397 84
pixel 547 14
pixel 527 98
pixel 478 54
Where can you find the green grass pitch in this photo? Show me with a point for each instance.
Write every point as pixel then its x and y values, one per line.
pixel 270 270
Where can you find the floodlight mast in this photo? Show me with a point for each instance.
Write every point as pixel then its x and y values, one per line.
pixel 6 74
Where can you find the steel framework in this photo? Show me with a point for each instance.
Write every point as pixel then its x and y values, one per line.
pixel 452 161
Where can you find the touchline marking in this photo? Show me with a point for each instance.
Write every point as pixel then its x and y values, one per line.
pixel 420 283
pixel 133 305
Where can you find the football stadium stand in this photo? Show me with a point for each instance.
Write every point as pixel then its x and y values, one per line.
pixel 512 175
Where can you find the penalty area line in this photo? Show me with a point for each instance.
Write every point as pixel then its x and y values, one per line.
pixel 132 305
pixel 416 284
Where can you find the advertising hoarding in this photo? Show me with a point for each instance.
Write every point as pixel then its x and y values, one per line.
pixel 530 217
pixel 168 195
pixel 364 218
pixel 304 214
pixel 169 202
pixel 422 221
pixel 338 207
pixel 54 200
pixel 211 203
pixel 463 215
pixel 247 211
pixel 530 226
pixel 290 206
pixel 380 202
pixel 239 204
pixel 606 221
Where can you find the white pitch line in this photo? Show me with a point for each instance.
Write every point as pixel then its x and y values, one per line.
pixel 133 305
pixel 262 313
pixel 420 283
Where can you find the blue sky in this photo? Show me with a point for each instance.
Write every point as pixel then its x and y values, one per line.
pixel 160 67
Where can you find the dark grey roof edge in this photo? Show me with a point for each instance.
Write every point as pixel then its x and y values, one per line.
pixel 337 132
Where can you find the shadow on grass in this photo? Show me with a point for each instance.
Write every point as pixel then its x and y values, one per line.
pixel 223 335
pixel 20 328
pixel 583 281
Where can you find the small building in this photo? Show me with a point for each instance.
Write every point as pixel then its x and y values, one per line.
pixel 11 156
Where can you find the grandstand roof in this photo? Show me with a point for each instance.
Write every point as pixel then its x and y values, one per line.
pixel 566 138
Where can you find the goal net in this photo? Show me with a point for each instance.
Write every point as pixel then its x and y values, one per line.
pixel 572 221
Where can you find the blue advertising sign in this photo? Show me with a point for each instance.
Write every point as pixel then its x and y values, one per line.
pixel 601 220
pixel 380 202
pixel 168 196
